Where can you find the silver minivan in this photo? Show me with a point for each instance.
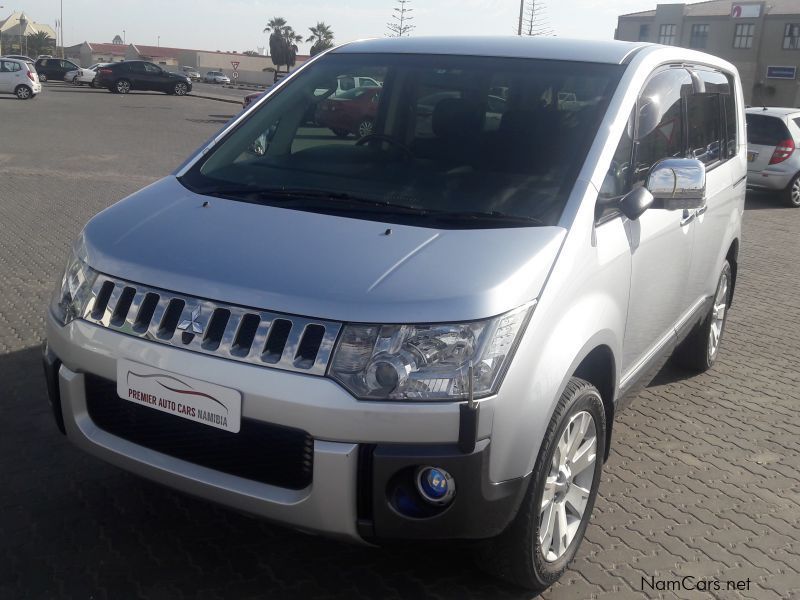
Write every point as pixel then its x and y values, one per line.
pixel 424 333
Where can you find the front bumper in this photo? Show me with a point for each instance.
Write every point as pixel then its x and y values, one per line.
pixel 358 447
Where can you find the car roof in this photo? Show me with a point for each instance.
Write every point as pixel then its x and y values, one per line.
pixel 17 60
pixel 773 111
pixel 550 48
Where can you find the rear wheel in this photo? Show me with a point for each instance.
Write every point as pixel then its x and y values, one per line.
pixel 123 86
pixel 23 92
pixel 365 128
pixel 545 535
pixel 42 77
pixel 792 193
pixel 700 348
pixel 76 81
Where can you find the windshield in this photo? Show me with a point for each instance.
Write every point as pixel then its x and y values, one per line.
pixel 443 136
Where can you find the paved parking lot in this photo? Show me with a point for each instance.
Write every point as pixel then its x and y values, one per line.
pixel 703 479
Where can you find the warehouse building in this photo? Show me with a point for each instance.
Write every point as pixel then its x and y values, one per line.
pixel 761 38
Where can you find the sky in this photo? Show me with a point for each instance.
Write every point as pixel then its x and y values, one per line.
pixel 238 24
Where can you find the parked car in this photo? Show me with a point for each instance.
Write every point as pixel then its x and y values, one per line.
pixel 54 68
pixel 122 77
pixel 80 76
pixel 773 158
pixel 346 83
pixel 414 337
pixel 216 77
pixel 18 77
pixel 250 98
pixel 19 57
pixel 191 73
pixel 353 112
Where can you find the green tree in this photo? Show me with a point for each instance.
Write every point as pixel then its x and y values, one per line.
pixel 322 36
pixel 40 43
pixel 400 25
pixel 282 43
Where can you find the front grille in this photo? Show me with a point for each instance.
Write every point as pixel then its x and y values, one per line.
pixel 273 454
pixel 247 335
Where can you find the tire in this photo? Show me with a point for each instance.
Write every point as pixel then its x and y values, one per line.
pixel 23 92
pixel 364 128
pixel 42 77
pixel 180 89
pixel 700 349
pixel 122 86
pixel 519 555
pixel 76 82
pixel 792 193
pixel 342 133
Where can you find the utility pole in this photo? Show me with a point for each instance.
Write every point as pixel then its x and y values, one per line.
pixel 62 27
pixel 521 12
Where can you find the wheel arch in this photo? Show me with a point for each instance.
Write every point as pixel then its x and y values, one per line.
pixel 598 367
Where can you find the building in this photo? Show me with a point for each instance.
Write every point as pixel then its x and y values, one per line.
pixel 761 38
pixel 251 69
pixel 15 28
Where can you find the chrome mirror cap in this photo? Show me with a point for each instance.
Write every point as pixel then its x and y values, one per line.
pixel 678 183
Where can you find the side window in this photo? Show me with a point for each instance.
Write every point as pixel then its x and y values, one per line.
pixel 660 121
pixel 346 83
pixel 705 127
pixel 136 67
pixel 151 68
pixel 617 180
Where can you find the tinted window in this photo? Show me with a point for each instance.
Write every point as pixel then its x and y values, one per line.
pixel 136 67
pixel 7 66
pixel 766 131
pixel 797 121
pixel 459 152
pixel 151 68
pixel 660 123
pixel 705 126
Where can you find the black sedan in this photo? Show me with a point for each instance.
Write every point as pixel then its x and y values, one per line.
pixel 122 77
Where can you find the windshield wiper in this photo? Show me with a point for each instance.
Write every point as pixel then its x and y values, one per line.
pixel 494 217
pixel 337 199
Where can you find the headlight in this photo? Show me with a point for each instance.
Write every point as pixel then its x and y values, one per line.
pixel 427 362
pixel 74 291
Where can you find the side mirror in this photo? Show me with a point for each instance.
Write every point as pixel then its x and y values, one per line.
pixel 635 202
pixel 678 183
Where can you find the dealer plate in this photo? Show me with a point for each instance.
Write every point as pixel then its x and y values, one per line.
pixel 179 395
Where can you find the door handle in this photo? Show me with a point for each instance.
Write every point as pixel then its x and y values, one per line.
pixel 702 210
pixel 688 217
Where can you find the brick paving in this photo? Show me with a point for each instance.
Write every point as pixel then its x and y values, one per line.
pixel 703 479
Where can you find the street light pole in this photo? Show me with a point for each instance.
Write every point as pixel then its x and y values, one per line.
pixel 61 2
pixel 521 12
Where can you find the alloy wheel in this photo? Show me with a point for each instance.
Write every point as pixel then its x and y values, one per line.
pixel 123 87
pixel 365 128
pixel 180 89
pixel 568 486
pixel 23 92
pixel 795 194
pixel 718 316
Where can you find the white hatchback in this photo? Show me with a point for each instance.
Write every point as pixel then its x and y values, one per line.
pixel 18 77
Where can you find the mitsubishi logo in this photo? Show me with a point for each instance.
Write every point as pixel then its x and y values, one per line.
pixel 191 326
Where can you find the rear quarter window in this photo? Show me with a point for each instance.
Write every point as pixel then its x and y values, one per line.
pixel 764 130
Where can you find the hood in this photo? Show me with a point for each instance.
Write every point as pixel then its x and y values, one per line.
pixel 317 265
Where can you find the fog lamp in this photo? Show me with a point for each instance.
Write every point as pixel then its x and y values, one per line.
pixel 435 485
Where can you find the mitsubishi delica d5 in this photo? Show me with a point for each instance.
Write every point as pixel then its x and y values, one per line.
pixel 422 327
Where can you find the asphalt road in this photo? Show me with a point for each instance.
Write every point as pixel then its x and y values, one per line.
pixel 703 479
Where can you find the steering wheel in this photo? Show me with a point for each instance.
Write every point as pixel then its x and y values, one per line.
pixel 385 138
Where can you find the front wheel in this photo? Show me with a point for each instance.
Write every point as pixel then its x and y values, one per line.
pixel 700 348
pixel 365 128
pixel 23 92
pixel 543 538
pixel 792 193
pixel 180 89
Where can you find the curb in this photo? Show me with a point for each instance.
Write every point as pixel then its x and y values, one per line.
pixel 217 98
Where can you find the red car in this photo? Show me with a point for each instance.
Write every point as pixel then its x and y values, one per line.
pixel 354 112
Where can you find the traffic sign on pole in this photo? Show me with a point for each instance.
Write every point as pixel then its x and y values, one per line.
pixel 235 64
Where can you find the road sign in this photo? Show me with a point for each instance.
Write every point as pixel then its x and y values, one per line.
pixel 235 64
pixel 781 72
pixel 236 74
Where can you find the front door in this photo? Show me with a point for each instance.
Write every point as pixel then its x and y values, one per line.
pixel 660 240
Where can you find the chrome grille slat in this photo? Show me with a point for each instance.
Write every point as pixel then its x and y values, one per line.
pixel 189 338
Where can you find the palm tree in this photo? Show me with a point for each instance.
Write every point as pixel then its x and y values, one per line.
pixel 282 43
pixel 322 36
pixel 39 43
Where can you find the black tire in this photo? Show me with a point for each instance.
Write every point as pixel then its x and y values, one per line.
pixel 180 89
pixel 342 133
pixel 792 193
pixel 122 86
pixel 516 556
pixel 23 92
pixel 696 352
